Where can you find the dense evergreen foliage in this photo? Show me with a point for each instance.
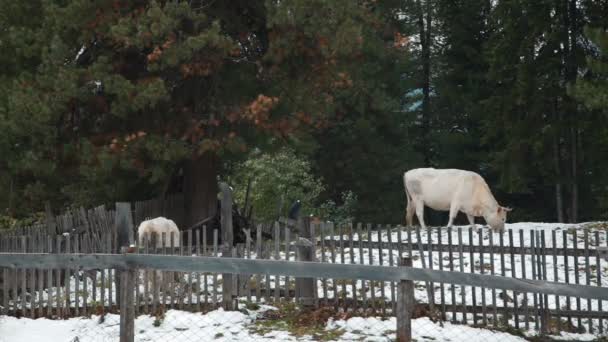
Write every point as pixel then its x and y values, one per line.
pixel 123 100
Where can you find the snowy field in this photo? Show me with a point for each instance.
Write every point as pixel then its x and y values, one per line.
pixel 208 287
pixel 241 325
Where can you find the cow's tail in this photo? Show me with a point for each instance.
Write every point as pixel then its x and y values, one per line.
pixel 409 204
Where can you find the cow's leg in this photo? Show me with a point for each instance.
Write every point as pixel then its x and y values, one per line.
pixel 420 213
pixel 409 215
pixel 453 213
pixel 472 221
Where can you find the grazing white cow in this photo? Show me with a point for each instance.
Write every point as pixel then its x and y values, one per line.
pixel 155 228
pixel 454 190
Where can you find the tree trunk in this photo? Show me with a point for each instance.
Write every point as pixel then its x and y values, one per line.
pixel 559 201
pixel 425 41
pixel 200 189
pixel 574 209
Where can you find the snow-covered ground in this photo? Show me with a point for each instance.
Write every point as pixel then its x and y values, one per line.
pixel 556 268
pixel 241 326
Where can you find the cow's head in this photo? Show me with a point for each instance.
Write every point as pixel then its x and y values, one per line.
pixel 496 219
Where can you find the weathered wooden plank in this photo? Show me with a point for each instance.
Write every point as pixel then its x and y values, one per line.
pixel 341 239
pixel 501 242
pixel 362 262
pixel 441 285
pixel 463 298
pixel 277 256
pixel 33 277
pixel 215 254
pixel 524 301
pixel 288 257
pixel 23 275
pixel 534 268
pixel 58 278
pixel 472 270
pixel 587 274
pixel 146 274
pixel 49 274
pixel 323 259
pixel 555 273
pixel 67 274
pixel 482 267
pixel 197 237
pixel 371 262
pixel 258 255
pixel 190 275
pixel 576 274
pixel 545 313
pixel 381 262
pixel 451 268
pixel 598 277
pixel 475 248
pixel 351 247
pixel 300 269
pixel 405 305
pixel 205 276
pixel 514 275
pixel 567 275
pixel 493 272
pixel 76 280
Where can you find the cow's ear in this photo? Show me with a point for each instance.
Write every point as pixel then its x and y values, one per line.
pixel 507 209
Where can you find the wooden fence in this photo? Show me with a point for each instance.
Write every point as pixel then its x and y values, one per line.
pixel 567 256
pixel 127 265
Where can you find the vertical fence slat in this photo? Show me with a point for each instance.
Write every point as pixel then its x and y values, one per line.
pixel 77 281
pixel 258 255
pixel 482 270
pixel 451 268
pixel 332 249
pixel 66 281
pixel 362 262
pixel 215 254
pixel 146 275
pixel 288 257
pixel 501 243
pixel 472 270
pixel 545 314
pixel 197 237
pixel 442 285
pixel 567 274
pixel 342 261
pixel 23 276
pixel 493 272
pixel 381 262
pixel 463 289
pixel 370 256
pixel 49 274
pixel 535 275
pixel 429 240
pixel 524 301
pixel 576 274
pixel 390 263
pixel 598 269
pixel 58 280
pixel 277 256
pixel 323 259
pixel 205 275
pixel 351 246
pixel 190 274
pixel 587 276
pixel 555 274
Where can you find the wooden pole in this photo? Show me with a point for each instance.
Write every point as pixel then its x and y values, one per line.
pixel 127 307
pixel 124 229
pixel 228 294
pixel 405 305
pixel 305 287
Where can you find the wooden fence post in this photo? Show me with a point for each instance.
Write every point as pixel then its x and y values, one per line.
pixel 305 287
pixel 127 305
pixel 124 229
pixel 405 305
pixel 228 293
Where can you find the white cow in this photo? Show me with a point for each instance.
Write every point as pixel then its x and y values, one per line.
pixel 454 190
pixel 155 228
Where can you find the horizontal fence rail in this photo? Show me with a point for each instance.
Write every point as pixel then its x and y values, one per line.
pixel 291 268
